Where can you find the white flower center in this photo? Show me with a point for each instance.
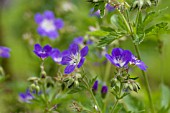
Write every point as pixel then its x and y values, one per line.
pixel 75 59
pixel 59 59
pixel 48 25
pixel 119 61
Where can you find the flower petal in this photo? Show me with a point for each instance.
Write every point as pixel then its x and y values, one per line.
pixel 59 23
pixel 84 51
pixel 38 18
pixel 37 47
pixel 4 52
pixel 78 40
pixel 81 62
pixel 69 69
pixel 109 58
pixel 49 15
pixel 47 48
pixel 65 53
pixel 74 48
pixel 117 52
pixel 141 65
pixel 41 31
pixel 56 55
pixel 66 60
pixel 126 57
pixel 52 34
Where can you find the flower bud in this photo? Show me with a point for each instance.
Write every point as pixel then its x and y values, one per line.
pixel 76 83
pixel 37 88
pixel 113 82
pixel 32 87
pixel 70 83
pixel 104 91
pixel 95 87
pixel 43 74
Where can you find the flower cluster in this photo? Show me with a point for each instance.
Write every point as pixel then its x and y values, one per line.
pixel 108 7
pixel 121 58
pixel 73 57
pixel 4 52
pixel 48 24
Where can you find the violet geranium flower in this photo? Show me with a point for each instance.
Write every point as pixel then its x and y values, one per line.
pixel 75 58
pixel 42 52
pixel 110 8
pixel 78 40
pixel 120 58
pixel 4 52
pixel 56 55
pixel 48 24
pixel 26 97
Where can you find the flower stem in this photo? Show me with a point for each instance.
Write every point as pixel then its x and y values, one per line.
pixel 113 108
pixel 146 80
pixel 127 23
pixel 107 72
pixel 90 91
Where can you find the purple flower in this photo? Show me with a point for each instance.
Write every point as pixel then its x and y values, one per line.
pixel 95 86
pixel 4 52
pixel 104 91
pixel 110 8
pixel 97 13
pixel 26 97
pixel 42 52
pixel 120 58
pixel 48 24
pixel 138 63
pixel 75 58
pixel 78 40
pixel 56 55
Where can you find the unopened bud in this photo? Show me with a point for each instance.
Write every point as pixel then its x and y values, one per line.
pixel 76 83
pixel 104 91
pixel 95 87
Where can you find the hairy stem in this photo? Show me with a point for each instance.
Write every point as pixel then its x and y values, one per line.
pixel 113 108
pixel 91 93
pixel 84 80
pixel 127 23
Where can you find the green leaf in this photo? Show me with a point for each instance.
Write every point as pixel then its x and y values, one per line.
pixel 93 80
pixel 140 34
pixel 134 104
pixel 139 38
pixel 106 40
pixel 75 90
pixel 118 23
pixel 165 96
pixel 99 33
pixel 158 28
pixel 148 18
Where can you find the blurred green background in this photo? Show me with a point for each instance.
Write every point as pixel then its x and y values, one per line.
pixel 18 32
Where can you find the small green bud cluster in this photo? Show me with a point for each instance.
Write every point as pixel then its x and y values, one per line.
pixel 72 81
pixel 122 84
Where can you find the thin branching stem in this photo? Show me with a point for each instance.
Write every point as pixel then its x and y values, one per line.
pixel 84 80
pixel 127 23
